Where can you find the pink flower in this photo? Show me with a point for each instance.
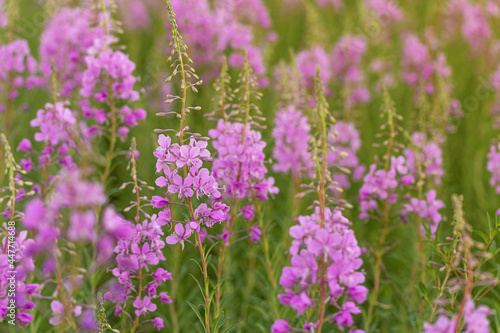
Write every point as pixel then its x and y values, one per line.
pixel 181 234
pixel 182 187
pixel 281 326
pixel 157 323
pixel 143 306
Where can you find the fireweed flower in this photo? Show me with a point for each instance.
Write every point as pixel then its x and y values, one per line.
pixel 181 172
pixel 325 262
pixel 18 69
pixel 229 26
pixel 306 64
pixel 66 39
pixel 15 264
pixel 429 156
pixel 68 214
pixel 239 164
pixel 427 209
pixel 473 20
pixel 181 168
pixel 237 24
pixel 139 252
pixel 346 57
pixel 110 72
pixel 386 10
pixel 383 185
pixel 493 166
pixel 172 159
pixel 25 291
pixel 429 75
pixel 345 138
pixel 291 134
pixel 57 127
pixel 418 67
pixel 78 198
pixel 134 14
pixel 336 244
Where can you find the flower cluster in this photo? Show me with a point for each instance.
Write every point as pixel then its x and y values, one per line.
pixel 197 182
pixel 18 281
pixel 66 39
pixel 418 67
pixel 429 156
pixel 342 66
pixel 307 60
pixel 386 10
pixel 292 134
pixel 427 209
pixel 335 245
pixel 135 14
pixel 475 318
pixel 493 166
pixel 240 162
pixel 139 250
pixel 18 69
pixel 229 26
pixel 69 215
pixel 345 138
pixel 57 129
pixel 380 184
pixel 109 76
pixel 79 198
pixel 346 58
pixel 473 20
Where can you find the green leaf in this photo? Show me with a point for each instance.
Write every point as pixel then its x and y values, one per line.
pixel 197 313
pixel 199 285
pixel 482 235
pixel 230 328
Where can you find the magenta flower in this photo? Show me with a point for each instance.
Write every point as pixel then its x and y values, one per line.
pixel 248 212
pixel 161 275
pixel 344 317
pixel 189 156
pixel 143 255
pixel 59 313
pixel 157 323
pixel 181 234
pixel 281 326
pixel 164 298
pixel 25 145
pixel 143 306
pixel 182 186
pixel 324 243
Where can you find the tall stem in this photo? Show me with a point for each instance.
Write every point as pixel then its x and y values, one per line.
pixel 114 126
pixel 175 285
pixel 379 252
pixel 139 292
pixel 180 49
pixel 322 193
pixel 469 285
pixel 205 278
pixel 136 182
pixel 64 301
pixel 222 256
pixel 247 72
